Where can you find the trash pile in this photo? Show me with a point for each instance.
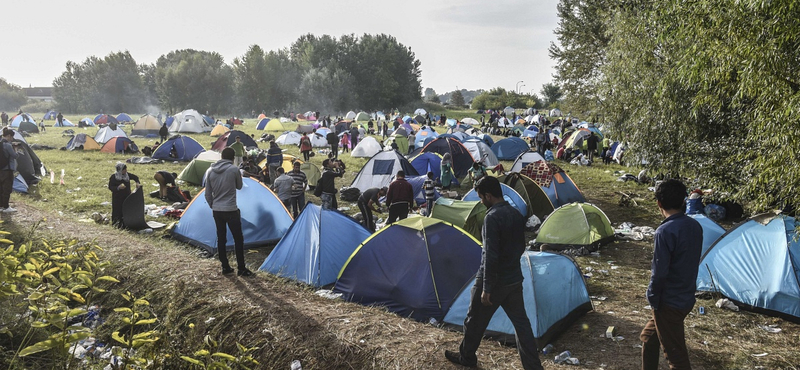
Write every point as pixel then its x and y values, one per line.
pixel 629 231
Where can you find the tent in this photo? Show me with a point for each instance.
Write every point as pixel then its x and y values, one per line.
pixel 381 169
pixel 312 173
pixel 229 138
pixel 470 121
pixel 28 127
pixel 711 230
pixel 178 148
pixel 17 119
pixel 510 148
pixel 576 225
pixel 509 111
pixel 555 297
pixel 538 202
pixel 420 119
pixel 315 248
pixel 486 139
pixel 218 130
pixel 757 265
pixel 417 185
pixel 119 144
pixel 169 120
pixel 105 119
pixel 190 121
pixel 210 121
pixel 19 185
pixel 123 118
pixel 86 122
pixel 524 159
pixel 420 111
pixel 481 152
pixel 82 142
pixel 289 138
pixel 268 124
pixel 318 140
pixel 362 117
pixel 467 215
pixel 413 267
pixel 424 134
pixel 264 219
pixel 106 133
pixel 462 159
pixel 195 171
pixel 28 163
pixel 64 123
pixel 50 115
pixel 555 112
pixel 398 137
pixel 146 125
pixel 509 194
pixel 304 128
pixel 350 115
pixel 428 162
pixel 366 148
pixel 558 186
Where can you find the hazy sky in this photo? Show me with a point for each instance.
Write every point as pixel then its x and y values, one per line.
pixel 471 44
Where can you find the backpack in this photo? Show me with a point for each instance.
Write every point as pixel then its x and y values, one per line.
pixel 318 188
pixel 541 137
pixel 350 194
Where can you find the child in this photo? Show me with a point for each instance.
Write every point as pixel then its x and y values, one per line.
pixel 345 142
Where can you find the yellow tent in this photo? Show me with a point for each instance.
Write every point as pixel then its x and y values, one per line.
pixel 146 125
pixel 219 130
pixel 288 161
pixel 274 125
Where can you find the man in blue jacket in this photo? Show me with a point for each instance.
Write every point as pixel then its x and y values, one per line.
pixel 223 179
pixel 676 257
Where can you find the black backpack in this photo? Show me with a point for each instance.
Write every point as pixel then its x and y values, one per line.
pixel 350 194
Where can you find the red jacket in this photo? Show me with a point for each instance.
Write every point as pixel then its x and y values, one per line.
pixel 400 190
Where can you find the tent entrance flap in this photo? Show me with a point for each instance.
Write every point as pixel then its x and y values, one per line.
pixel 382 167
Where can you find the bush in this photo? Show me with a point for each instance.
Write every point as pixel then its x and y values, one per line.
pixel 38 106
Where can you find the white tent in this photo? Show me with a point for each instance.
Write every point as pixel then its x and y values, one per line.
pixel 318 141
pixel 509 111
pixel 289 138
pixel 524 159
pixel 366 148
pixel 106 133
pixel 478 149
pixel 189 120
pixel 350 115
pixel 470 121
pixel 381 169
pixel 284 120
pixel 555 112
pixel 420 111
pixel 209 155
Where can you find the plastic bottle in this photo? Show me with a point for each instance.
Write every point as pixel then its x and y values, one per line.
pixel 563 356
pixel 548 349
pixel 296 365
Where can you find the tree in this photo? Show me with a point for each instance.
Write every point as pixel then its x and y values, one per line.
pixel 429 94
pixel 194 79
pixel 111 84
pixel 457 99
pixel 327 90
pixel 551 93
pixel 11 96
pixel 251 78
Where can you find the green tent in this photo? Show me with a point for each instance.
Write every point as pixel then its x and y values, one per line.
pixel 195 170
pixel 362 117
pixel 576 225
pixel 401 140
pixel 538 202
pixel 312 173
pixel 467 215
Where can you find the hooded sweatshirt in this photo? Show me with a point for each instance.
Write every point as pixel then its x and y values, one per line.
pixel 222 181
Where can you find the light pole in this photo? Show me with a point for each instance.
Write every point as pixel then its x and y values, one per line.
pixel 517 87
pixel 520 88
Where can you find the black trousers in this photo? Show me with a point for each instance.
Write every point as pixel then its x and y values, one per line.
pixel 397 211
pixel 478 316
pixel 232 220
pixel 366 213
pixel 6 186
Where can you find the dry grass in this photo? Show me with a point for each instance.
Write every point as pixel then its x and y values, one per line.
pixel 287 321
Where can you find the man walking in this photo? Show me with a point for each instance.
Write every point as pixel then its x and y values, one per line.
pixel 430 193
pixel 329 174
pixel 353 135
pixel 274 160
pixel 223 179
pixel 399 198
pixel 163 132
pixel 238 151
pixel 282 186
pixel 673 275
pixel 499 280
pixel 369 202
pixel 298 199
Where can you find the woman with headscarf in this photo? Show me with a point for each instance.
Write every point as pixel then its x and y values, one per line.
pixel 120 185
pixel 447 171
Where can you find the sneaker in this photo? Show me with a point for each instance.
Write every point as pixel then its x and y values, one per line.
pixel 245 272
pixel 9 210
pixel 455 357
pixel 227 270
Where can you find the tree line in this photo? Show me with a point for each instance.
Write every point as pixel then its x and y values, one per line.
pixel 705 89
pixel 322 73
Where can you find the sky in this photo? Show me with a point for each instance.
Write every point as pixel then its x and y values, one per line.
pixel 465 44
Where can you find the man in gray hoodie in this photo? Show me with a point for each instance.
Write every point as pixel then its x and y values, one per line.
pixel 222 181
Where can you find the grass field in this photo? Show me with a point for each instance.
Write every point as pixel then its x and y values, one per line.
pixel 719 339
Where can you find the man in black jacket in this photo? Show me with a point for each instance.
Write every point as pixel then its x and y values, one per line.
pixel 399 198
pixel 499 280
pixel 333 141
pixel 329 174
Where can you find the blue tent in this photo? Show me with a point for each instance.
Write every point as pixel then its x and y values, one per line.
pixel 64 123
pixel 124 117
pixel 757 265
pixel 86 121
pixel 509 194
pixel 17 119
pixel 414 267
pixel 424 134
pixel 510 148
pixel 264 219
pixel 428 162
pixel 186 149
pixel 417 183
pixel 20 186
pixel 554 292
pixel 462 159
pixel 209 121
pixel 50 115
pixel 711 230
pixel 316 246
pixel 169 121
pixel 486 139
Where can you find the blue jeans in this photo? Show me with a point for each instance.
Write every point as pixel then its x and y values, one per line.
pixel 327 200
pixel 478 316
pixel 232 220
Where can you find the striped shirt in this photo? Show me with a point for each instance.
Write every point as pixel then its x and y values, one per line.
pixel 429 189
pixel 300 182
